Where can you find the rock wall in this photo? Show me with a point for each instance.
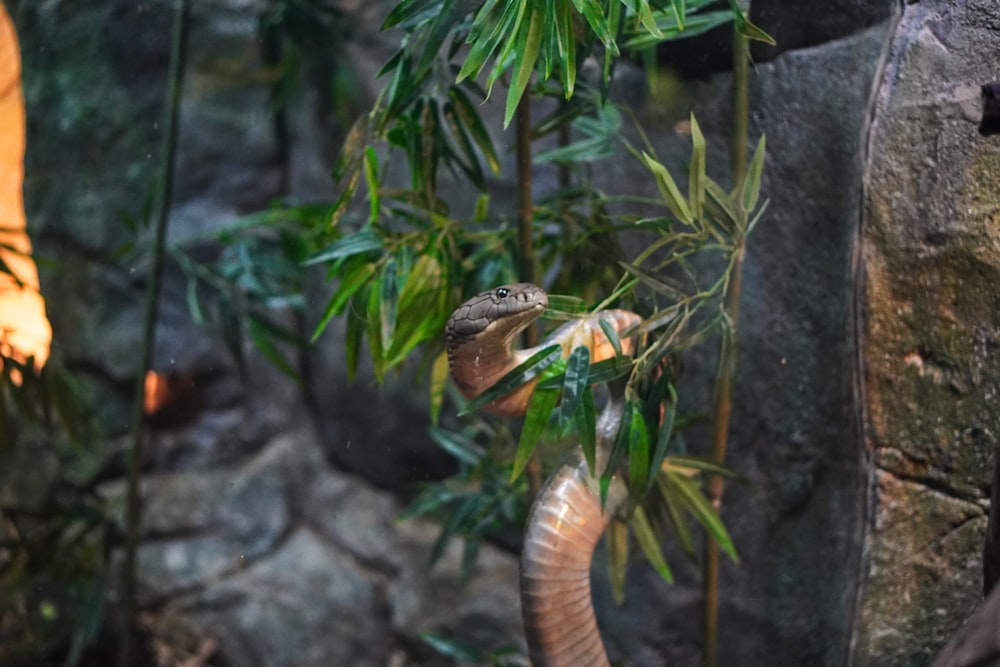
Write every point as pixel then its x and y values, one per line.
pixel 864 413
pixel 931 263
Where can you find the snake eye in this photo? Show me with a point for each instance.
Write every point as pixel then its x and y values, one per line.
pixel 502 293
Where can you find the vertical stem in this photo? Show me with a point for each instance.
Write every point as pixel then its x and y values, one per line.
pixel 164 189
pixel 526 246
pixel 727 355
pixel 526 204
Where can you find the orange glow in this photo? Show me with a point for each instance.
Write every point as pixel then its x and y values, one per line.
pixel 156 394
pixel 24 328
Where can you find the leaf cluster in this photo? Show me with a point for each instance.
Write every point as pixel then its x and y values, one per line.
pixel 480 501
pixel 54 549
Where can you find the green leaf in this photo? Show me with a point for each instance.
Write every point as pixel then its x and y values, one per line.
pixel 540 407
pixel 751 182
pixel 562 304
pixel 365 239
pixel 525 372
pixel 664 432
pixel 575 381
pixel 620 446
pixel 668 189
pixel 422 304
pixel 372 181
pixel 193 302
pixel 495 31
pixel 473 124
pixel 456 444
pixel 696 172
pixel 593 12
pixel 376 332
pixel 638 451
pixel 612 336
pixel 655 283
pixel 564 26
pixel 646 538
pixel 444 21
pixel 617 545
pixel 702 464
pixel 259 333
pixel 670 30
pixel 703 511
pixel 463 653
pixel 585 419
pixel 672 505
pixel 747 29
pixel 357 276
pixel 409 9
pixel 643 12
pixel 727 212
pixel 526 56
pixel 428 500
pixel 439 380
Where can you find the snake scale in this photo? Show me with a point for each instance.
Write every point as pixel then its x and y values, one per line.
pixel 567 519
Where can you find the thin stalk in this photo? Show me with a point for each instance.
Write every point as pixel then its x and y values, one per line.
pixel 164 189
pixel 727 356
pixel 526 245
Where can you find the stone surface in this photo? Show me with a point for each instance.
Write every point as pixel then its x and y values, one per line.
pixel 796 429
pixel 932 268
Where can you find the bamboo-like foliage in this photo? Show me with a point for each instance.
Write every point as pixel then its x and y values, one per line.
pixel 402 256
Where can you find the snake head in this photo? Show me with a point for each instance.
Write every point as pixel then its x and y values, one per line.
pixel 496 316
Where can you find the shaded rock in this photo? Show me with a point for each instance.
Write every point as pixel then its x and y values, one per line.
pixel 925 550
pixel 932 272
pixel 304 605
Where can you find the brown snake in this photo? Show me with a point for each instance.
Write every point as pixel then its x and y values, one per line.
pixel 566 520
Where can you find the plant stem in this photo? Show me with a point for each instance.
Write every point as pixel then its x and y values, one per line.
pixel 526 246
pixel 133 509
pixel 727 356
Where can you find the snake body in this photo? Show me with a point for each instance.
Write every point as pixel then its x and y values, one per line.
pixel 567 518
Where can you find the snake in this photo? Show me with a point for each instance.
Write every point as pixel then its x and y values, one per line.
pixel 568 517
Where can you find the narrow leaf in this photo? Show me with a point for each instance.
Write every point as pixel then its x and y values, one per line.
pixel 356 277
pixel 696 172
pixel 456 444
pixel 638 454
pixel 473 124
pixel 575 381
pixel 526 58
pixel 751 182
pixel 668 189
pixel 363 240
pixel 612 336
pixel 617 451
pixel 439 380
pixel 672 505
pixel 669 411
pixel 371 180
pixel 703 511
pixel 585 419
pixel 540 407
pixel 646 538
pixel 617 544
pixel 593 12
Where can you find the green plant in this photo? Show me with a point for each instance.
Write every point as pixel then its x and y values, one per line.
pixel 55 528
pixel 403 259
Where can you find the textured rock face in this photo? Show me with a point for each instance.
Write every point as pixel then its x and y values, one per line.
pixel 932 269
